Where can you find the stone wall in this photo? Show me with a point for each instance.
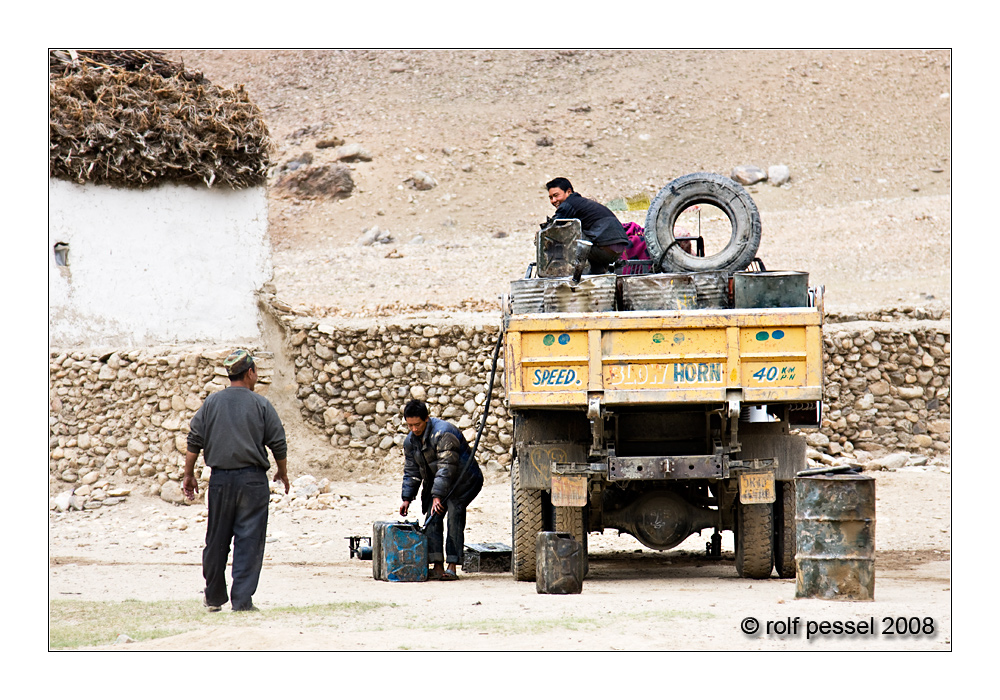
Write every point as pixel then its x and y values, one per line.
pixel 887 387
pixel 125 413
pixel 353 381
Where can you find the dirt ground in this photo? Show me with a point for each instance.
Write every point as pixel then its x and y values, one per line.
pixel 866 136
pixel 634 599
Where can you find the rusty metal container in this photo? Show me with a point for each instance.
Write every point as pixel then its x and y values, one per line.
pixel 594 293
pixel 559 563
pixel 675 292
pixel 835 537
pixel 712 289
pixel 487 557
pixel 768 290
pixel 527 296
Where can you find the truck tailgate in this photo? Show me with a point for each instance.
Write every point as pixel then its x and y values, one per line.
pixel 659 357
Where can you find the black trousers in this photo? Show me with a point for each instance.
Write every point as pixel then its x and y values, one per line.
pixel 601 257
pixel 237 513
pixel 455 507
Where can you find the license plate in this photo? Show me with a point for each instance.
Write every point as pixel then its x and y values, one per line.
pixel 569 490
pixel 757 487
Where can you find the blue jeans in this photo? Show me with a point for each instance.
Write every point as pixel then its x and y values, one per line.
pixel 455 507
pixel 237 513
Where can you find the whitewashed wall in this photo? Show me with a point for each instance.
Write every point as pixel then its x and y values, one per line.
pixel 171 264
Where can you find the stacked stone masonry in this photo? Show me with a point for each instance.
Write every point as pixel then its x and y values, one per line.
pixel 886 388
pixel 353 382
pixel 126 413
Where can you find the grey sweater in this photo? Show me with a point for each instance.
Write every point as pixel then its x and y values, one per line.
pixel 233 427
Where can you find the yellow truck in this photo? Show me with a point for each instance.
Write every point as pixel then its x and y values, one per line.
pixel 662 422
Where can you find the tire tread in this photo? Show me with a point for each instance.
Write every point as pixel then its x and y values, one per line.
pixel 755 540
pixel 526 523
pixel 784 530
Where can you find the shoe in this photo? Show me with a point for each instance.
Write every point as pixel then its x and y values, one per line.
pixel 449 576
pixel 211 608
pixel 433 575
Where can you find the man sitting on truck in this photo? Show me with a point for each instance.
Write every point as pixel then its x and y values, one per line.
pixel 600 225
pixel 437 454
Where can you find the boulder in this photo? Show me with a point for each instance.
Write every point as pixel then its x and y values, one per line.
pixel 817 439
pixel 892 461
pixel 171 492
pixel 351 153
pixel 420 180
pixel 778 175
pixel 311 182
pixel 748 174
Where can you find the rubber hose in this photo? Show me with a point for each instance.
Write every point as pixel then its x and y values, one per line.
pixel 482 424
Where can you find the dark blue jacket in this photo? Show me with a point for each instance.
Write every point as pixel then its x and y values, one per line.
pixel 435 459
pixel 599 224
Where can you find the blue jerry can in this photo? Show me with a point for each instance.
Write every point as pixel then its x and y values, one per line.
pixel 399 552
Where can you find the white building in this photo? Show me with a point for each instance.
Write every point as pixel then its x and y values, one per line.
pixel 143 248
pixel 169 264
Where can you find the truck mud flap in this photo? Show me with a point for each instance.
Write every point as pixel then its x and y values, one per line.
pixel 772 440
pixel 535 461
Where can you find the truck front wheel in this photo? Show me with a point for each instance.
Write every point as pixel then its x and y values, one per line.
pixel 754 540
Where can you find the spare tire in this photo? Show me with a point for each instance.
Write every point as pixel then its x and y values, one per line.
pixel 702 188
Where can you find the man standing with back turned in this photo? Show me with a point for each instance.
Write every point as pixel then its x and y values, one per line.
pixel 233 427
pixel 600 225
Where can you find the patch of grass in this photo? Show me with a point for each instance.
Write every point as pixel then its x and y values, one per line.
pixel 348 608
pixel 540 625
pixel 79 623
pixel 530 625
pixel 664 615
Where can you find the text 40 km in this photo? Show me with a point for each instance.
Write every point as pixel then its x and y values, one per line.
pixel 773 373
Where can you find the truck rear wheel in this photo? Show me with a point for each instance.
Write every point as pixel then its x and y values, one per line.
pixel 754 540
pixel 526 523
pixel 784 530
pixel 571 519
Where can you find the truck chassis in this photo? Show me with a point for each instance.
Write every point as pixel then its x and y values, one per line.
pixel 662 424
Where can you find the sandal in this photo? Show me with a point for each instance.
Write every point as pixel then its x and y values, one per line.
pixel 449 576
pixel 432 575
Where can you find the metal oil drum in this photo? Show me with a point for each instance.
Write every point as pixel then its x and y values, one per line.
pixel 675 292
pixel 527 296
pixel 593 293
pixel 772 289
pixel 399 552
pixel 835 537
pixel 712 289
pixel 559 563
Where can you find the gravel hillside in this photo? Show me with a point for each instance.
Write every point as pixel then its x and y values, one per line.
pixel 865 135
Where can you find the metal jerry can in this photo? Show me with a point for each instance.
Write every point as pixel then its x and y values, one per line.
pixel 399 552
pixel 560 563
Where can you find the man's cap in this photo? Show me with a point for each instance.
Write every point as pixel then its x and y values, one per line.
pixel 238 362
